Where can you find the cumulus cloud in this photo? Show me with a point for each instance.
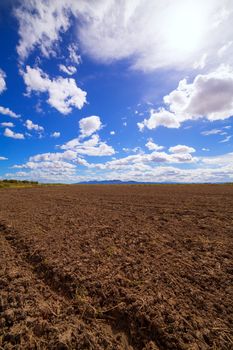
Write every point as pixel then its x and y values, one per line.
pixel 55 165
pixel 89 125
pixel 46 171
pixel 44 162
pixel 152 34
pixel 9 133
pixel 49 167
pixel 8 112
pixel 112 133
pixel 143 160
pixel 8 124
pixel 153 146
pixel 210 95
pixel 46 175
pixel 161 167
pixel 56 134
pixel 69 155
pixel 51 157
pixel 158 118
pixel 63 92
pixel 147 173
pixel 56 160
pixel 31 126
pixel 152 167
pixel 182 149
pixel 58 166
pixel 221 165
pixel 2 81
pixel 219 161
pixel 90 147
pixel 70 70
pixel 3 158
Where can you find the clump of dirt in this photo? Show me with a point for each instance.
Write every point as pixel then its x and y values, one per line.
pixel 117 267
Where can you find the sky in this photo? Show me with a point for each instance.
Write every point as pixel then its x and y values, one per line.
pixel 116 89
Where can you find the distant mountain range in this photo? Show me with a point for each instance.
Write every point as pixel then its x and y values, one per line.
pixel 118 182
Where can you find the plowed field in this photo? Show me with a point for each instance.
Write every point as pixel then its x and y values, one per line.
pixel 118 267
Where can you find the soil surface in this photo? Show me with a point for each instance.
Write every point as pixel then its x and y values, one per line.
pixel 117 267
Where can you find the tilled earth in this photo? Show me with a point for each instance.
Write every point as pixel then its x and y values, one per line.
pixel 118 267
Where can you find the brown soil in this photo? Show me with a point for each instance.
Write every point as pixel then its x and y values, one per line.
pixel 117 267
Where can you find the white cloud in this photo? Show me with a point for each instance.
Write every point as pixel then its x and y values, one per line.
pixel 8 112
pixel 59 166
pixel 40 24
pixel 2 81
pixel 132 150
pixel 159 118
pixel 70 70
pixel 13 135
pixel 147 167
pixel 89 125
pixel 55 134
pixel 227 139
pixel 46 171
pixel 8 124
pixel 46 175
pixel 211 132
pixel 54 167
pixel 182 149
pixel 91 147
pixel 223 50
pixel 219 161
pixel 73 55
pixel 152 167
pixel 156 33
pixel 3 158
pixel 54 160
pixel 153 146
pixel 51 157
pixel 112 133
pixel 31 126
pixel 143 160
pixel 139 172
pixel 133 168
pixel 200 64
pixel 63 92
pixel 152 34
pixel 210 95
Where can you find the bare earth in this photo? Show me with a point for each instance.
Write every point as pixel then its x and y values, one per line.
pixel 125 267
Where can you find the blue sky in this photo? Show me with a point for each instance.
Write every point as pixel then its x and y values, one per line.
pixel 132 90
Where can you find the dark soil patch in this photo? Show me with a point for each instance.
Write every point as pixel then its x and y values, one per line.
pixel 117 267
